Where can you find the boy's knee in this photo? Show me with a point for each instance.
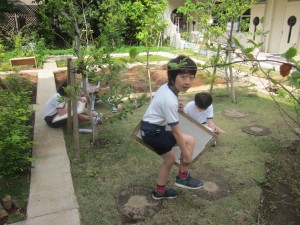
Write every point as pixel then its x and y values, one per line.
pixel 191 140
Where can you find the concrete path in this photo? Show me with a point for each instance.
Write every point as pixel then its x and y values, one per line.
pixel 52 198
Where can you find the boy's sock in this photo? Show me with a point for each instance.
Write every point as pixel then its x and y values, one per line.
pixel 183 175
pixel 160 189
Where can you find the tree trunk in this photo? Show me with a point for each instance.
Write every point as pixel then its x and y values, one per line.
pixel 75 116
pixel 70 123
pixel 231 77
pixel 214 74
pixel 82 67
pixel 148 72
pixel 226 75
pixel 229 51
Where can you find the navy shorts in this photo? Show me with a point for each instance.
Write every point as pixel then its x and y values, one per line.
pixel 157 137
pixel 57 124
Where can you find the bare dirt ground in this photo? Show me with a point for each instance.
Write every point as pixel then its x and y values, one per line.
pixel 137 77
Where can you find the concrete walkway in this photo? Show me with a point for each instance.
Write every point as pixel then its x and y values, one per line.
pixel 52 198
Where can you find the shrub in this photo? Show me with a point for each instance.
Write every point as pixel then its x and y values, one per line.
pixel 15 142
pixel 133 53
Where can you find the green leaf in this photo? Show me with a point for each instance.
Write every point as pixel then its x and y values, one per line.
pixel 248 50
pixel 274 82
pixel 295 75
pixel 254 43
pixel 175 66
pixel 210 47
pixel 236 41
pixel 250 56
pixel 290 53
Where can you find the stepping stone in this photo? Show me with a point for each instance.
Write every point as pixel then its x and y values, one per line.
pixel 236 113
pixel 136 204
pixel 256 130
pixel 213 188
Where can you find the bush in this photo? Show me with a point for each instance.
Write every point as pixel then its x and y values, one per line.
pixel 133 53
pixel 15 142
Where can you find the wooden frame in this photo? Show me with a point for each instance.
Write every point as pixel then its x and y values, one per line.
pixel 23 61
pixel 204 137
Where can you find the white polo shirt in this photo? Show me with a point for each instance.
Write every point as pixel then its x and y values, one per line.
pixel 192 110
pixel 52 105
pixel 163 108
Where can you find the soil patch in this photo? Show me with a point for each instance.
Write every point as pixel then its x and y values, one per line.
pixel 213 188
pixel 60 77
pixel 280 199
pixel 235 113
pixel 137 77
pixel 13 211
pixel 101 143
pixel 136 204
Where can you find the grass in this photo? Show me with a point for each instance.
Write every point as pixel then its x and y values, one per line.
pixel 238 160
pixel 139 58
pixel 122 60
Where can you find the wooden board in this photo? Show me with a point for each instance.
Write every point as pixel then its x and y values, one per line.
pixel 204 137
pixel 23 61
pixel 80 109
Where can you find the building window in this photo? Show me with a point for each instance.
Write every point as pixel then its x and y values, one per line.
pixel 179 20
pixel 244 21
pixel 242 24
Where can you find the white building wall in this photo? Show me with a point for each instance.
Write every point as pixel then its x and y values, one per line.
pixel 258 11
pixel 171 30
pixel 276 14
pixel 276 21
pixel 291 35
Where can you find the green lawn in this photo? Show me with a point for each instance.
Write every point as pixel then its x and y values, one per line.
pixel 236 165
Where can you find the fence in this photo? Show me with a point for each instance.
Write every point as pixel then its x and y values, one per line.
pixel 24 15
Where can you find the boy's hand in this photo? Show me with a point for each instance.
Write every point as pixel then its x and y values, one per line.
pixel 218 129
pixel 83 99
pixel 186 160
pixel 185 163
pixel 180 107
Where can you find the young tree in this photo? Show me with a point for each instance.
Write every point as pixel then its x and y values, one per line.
pixel 73 18
pixel 216 20
pixel 289 69
pixel 149 13
pixel 226 13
